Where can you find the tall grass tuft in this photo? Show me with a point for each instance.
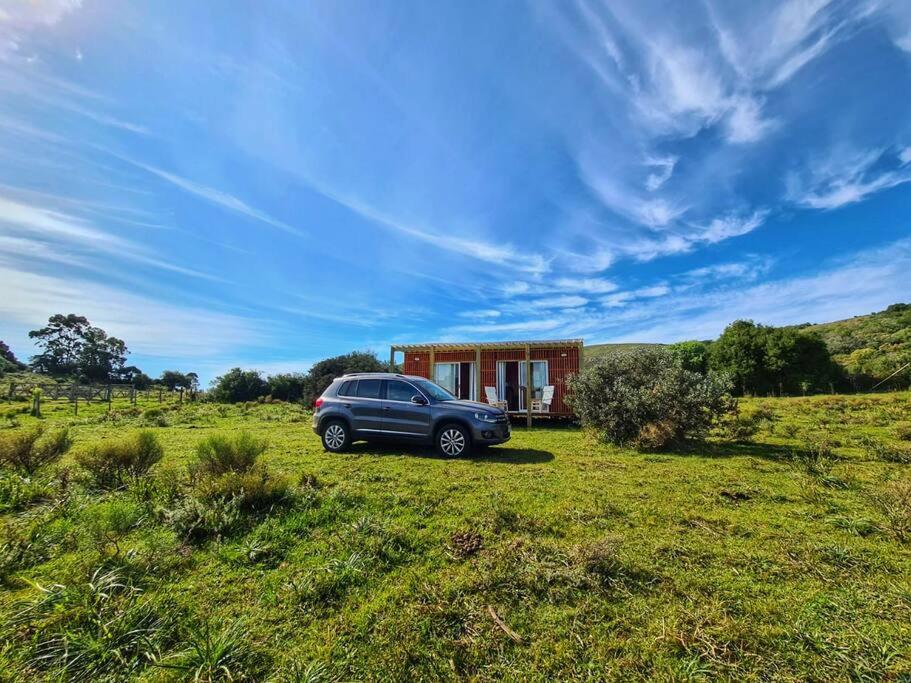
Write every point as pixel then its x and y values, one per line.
pixel 113 464
pixel 30 450
pixel 220 454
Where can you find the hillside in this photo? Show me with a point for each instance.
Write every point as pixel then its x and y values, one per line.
pixel 596 351
pixel 870 347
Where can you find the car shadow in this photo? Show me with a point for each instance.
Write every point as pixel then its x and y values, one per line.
pixel 498 454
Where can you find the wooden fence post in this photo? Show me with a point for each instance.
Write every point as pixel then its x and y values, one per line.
pixel 180 400
pixel 12 389
pixel 159 395
pixel 75 399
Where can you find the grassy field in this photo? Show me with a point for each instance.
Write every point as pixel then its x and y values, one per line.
pixel 781 557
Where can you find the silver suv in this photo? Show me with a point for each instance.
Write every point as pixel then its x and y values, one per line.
pixel 383 405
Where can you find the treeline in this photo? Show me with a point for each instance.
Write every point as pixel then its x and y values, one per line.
pixel 73 349
pixel 765 360
pixel 240 385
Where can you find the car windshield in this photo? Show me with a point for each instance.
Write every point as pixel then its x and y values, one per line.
pixel 435 391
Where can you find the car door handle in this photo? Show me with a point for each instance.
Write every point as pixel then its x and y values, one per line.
pixel 387 408
pixel 347 405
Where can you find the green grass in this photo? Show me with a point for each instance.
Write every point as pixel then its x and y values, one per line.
pixel 749 561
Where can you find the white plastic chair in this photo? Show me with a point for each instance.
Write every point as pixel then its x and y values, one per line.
pixel 542 405
pixel 492 399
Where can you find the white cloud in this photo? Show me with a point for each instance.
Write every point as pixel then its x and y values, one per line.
pixel 745 122
pixel 665 169
pixel 485 313
pixel 585 285
pixel 70 234
pixel 149 326
pixel 732 225
pixel 521 327
pixel 566 301
pixel 19 17
pixel 845 177
pixel 219 198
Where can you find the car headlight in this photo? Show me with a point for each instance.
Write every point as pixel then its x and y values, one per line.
pixel 485 417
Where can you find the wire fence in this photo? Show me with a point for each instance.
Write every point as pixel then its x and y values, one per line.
pixel 74 392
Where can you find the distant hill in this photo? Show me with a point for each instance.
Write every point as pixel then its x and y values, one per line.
pixel 596 351
pixel 870 347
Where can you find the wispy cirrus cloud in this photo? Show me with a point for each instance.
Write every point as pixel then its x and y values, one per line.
pixel 40 228
pixel 218 198
pixel 124 314
pixel 847 176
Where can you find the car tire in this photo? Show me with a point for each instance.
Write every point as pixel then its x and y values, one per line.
pixel 453 441
pixel 336 436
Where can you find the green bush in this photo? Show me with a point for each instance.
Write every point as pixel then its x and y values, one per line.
pixel 29 450
pixel 221 453
pixel 256 489
pixel 196 519
pixel 646 398
pixel 113 464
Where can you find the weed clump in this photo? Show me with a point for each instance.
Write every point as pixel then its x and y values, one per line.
pixel 895 504
pixel 220 454
pixel 112 465
pixel 29 450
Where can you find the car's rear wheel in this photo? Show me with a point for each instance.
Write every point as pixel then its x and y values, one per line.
pixel 336 436
pixel 453 441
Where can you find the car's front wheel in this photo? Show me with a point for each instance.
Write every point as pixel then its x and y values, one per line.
pixel 336 436
pixel 453 441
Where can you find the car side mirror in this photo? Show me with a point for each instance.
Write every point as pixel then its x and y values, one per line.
pixel 419 400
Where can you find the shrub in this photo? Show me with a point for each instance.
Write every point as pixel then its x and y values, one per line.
pixel 903 431
pixel 255 489
pixel 819 456
pixel 238 386
pixel 880 450
pixel 220 454
pixel 895 504
pixel 738 426
pixel 113 464
pixel 27 451
pixel 646 397
pixel 196 519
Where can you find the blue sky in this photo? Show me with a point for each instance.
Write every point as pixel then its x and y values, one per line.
pixel 267 184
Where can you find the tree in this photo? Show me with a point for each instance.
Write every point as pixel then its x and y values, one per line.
pixel 646 398
pixel 763 359
pixel 287 386
pixel 238 385
pixel 321 374
pixel 739 353
pixel 72 347
pixel 173 380
pixel 8 357
pixel 101 357
pixel 692 355
pixel 61 343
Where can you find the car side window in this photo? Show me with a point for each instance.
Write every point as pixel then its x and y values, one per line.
pixel 348 388
pixel 399 391
pixel 368 388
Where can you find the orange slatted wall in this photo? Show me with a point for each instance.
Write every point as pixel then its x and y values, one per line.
pixel 561 362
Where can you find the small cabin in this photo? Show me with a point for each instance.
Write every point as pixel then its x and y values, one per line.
pixel 499 372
